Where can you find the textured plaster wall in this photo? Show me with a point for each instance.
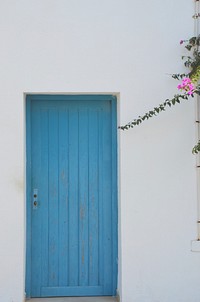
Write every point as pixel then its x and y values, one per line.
pixel 129 47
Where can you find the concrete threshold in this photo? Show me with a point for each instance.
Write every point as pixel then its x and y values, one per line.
pixel 74 299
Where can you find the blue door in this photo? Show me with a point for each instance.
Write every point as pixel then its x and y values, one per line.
pixel 71 195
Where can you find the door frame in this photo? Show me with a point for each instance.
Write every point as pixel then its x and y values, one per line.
pixel 33 97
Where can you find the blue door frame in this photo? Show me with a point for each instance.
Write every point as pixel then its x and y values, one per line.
pixel 84 127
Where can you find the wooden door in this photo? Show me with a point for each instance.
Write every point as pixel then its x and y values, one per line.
pixel 71 195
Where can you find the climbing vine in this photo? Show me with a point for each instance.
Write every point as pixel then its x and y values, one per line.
pixel 187 88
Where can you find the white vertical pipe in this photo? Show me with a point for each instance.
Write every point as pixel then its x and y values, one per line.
pixel 197 122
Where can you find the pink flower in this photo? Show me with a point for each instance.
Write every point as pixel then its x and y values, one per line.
pixel 183 41
pixel 187 85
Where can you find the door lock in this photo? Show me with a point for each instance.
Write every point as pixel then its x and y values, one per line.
pixel 35 199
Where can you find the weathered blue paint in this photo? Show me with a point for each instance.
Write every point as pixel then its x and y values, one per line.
pixel 72 165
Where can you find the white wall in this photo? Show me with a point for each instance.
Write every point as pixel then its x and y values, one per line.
pixel 124 46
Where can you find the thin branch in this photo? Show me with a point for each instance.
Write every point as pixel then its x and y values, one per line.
pixel 177 99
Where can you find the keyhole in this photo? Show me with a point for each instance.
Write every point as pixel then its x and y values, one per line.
pixel 35 203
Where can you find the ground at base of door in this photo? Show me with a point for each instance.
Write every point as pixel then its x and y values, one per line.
pixel 74 299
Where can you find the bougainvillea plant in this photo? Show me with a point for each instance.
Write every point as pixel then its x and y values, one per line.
pixel 188 86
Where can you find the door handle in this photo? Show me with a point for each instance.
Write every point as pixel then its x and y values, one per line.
pixel 35 199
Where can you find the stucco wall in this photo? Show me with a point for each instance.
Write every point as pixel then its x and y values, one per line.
pixel 128 47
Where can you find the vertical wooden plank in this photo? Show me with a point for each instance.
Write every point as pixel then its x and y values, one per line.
pixel 36 213
pixel 63 196
pixel 100 191
pixel 93 198
pixel 73 199
pixel 114 194
pixel 28 197
pixel 107 198
pixel 53 197
pixel 43 197
pixel 83 197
